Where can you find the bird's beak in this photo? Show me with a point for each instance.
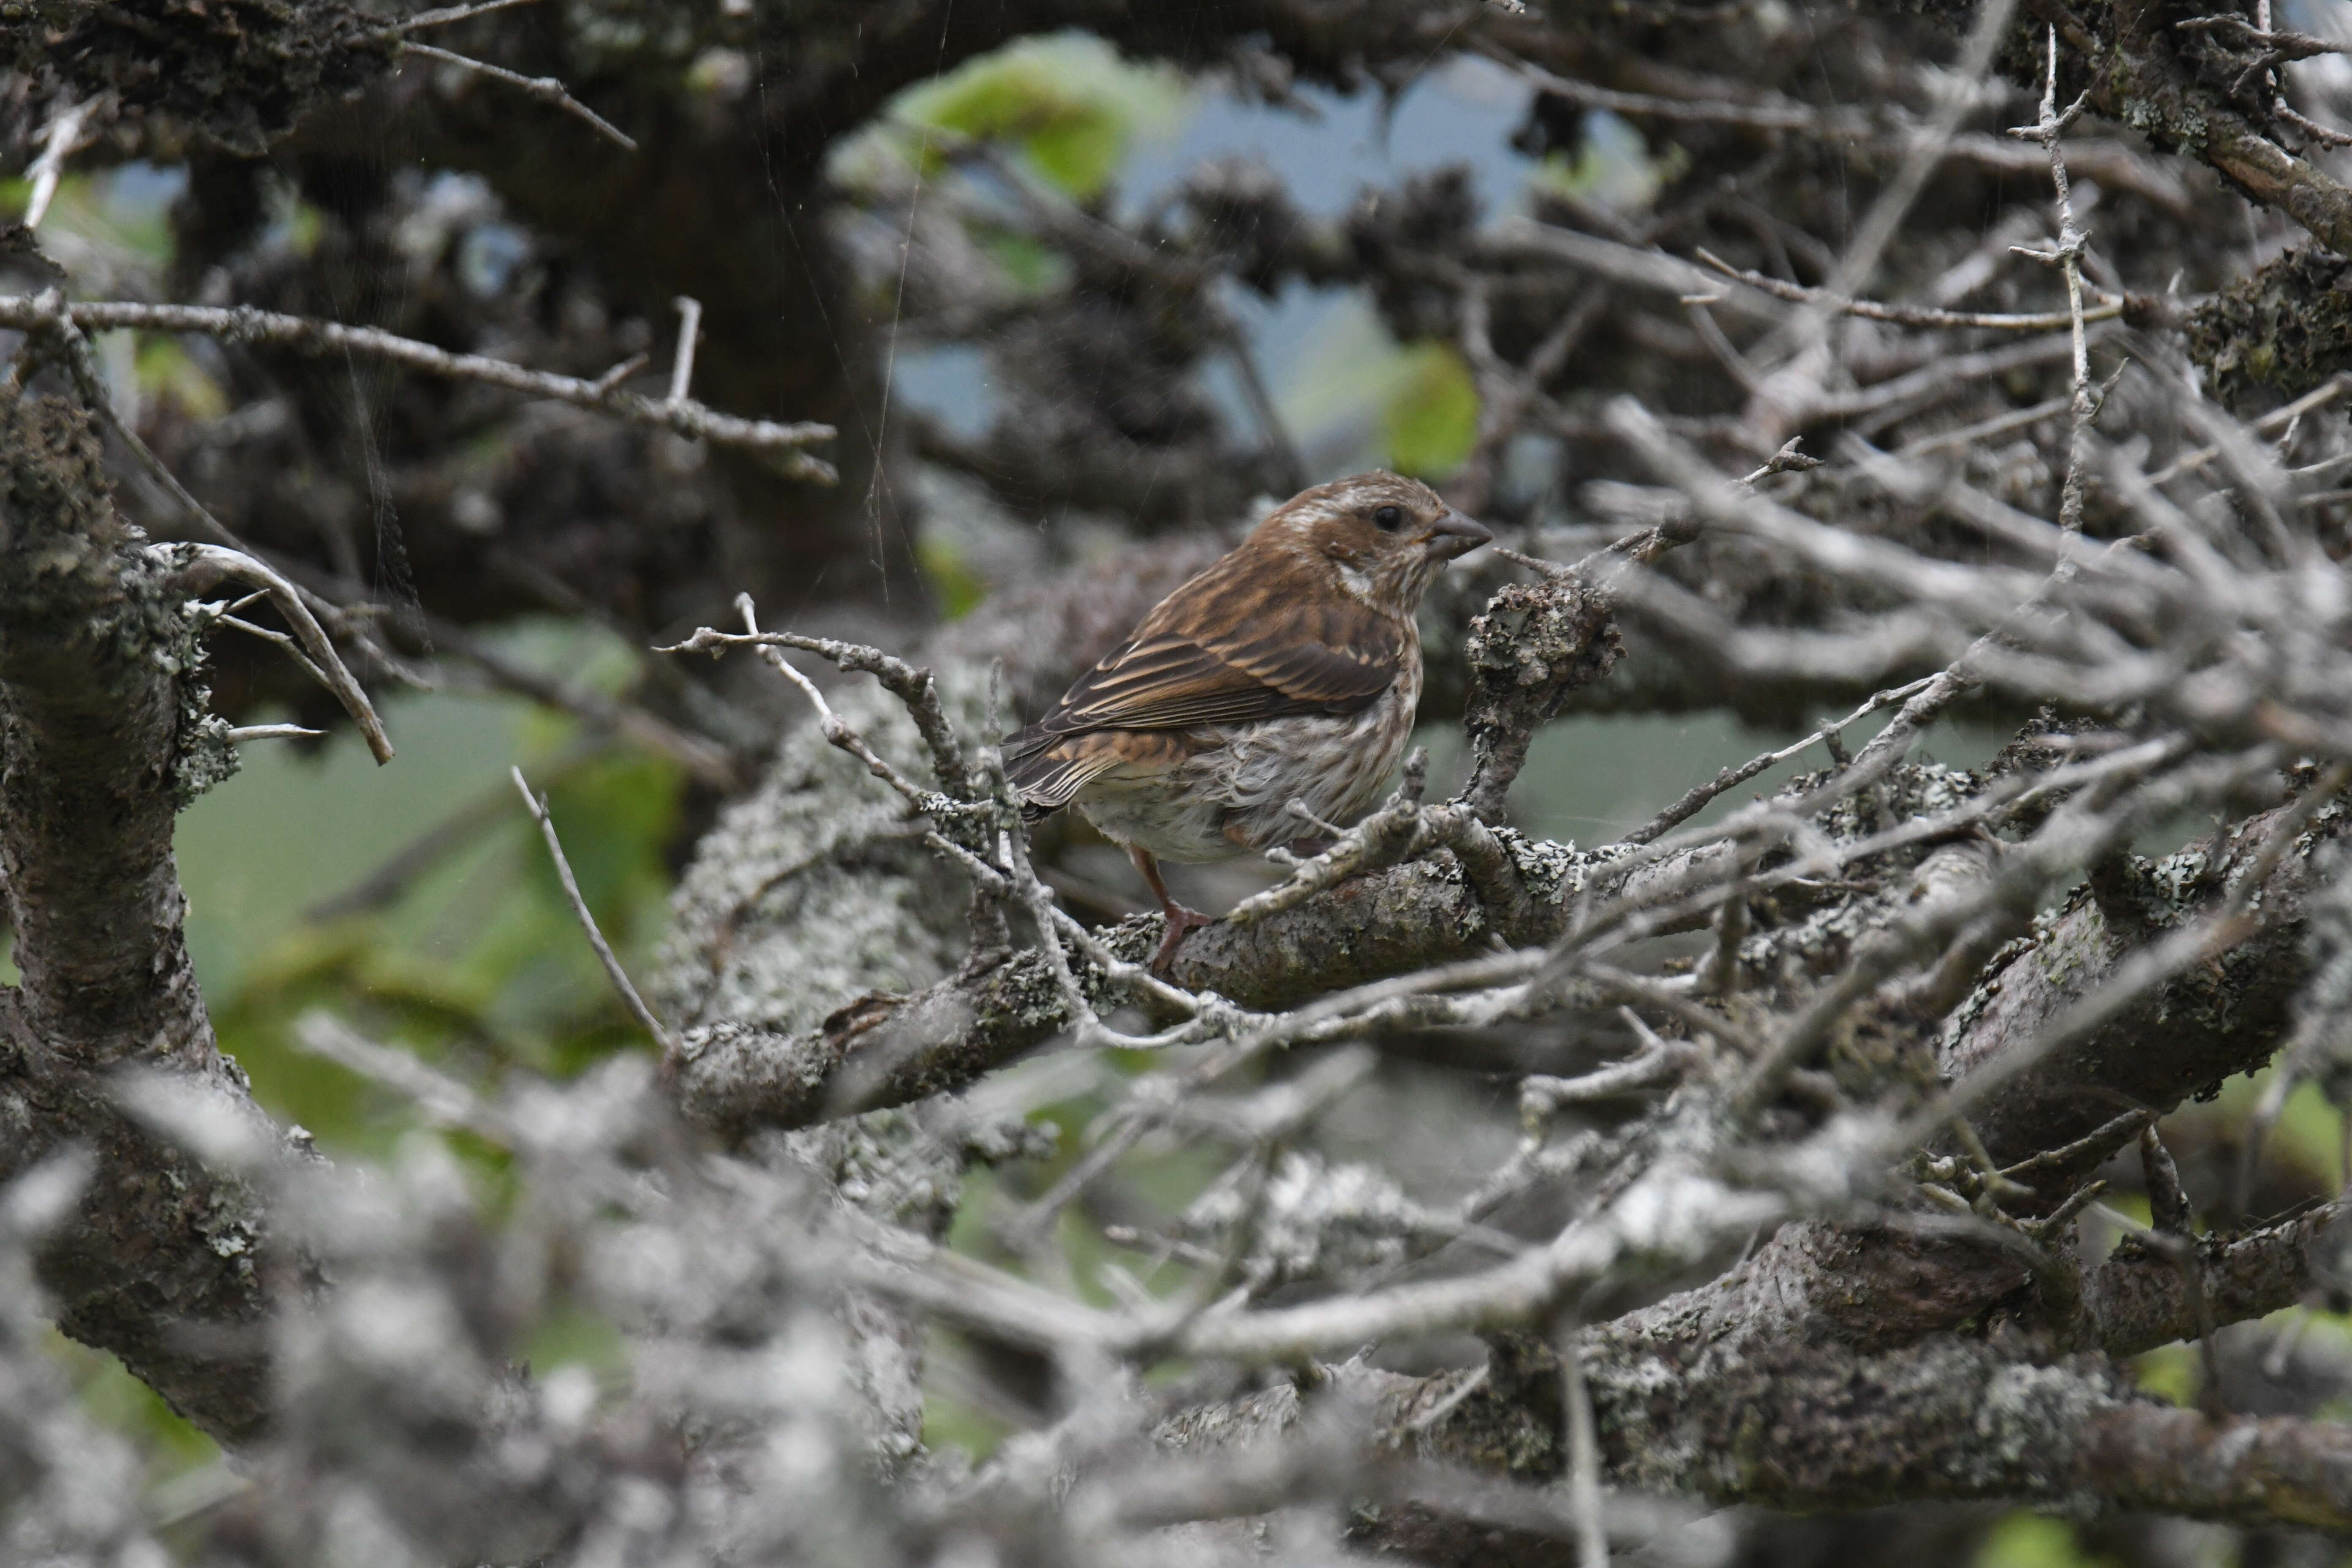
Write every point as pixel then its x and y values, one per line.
pixel 1454 534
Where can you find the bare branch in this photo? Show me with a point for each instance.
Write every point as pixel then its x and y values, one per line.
pixel 781 444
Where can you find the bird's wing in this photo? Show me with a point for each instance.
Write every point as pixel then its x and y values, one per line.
pixel 1235 646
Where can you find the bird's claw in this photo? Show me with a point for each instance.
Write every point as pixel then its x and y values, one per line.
pixel 1181 923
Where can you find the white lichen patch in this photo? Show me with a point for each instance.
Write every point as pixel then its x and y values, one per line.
pixel 815 890
pixel 1317 1220
pixel 2026 1417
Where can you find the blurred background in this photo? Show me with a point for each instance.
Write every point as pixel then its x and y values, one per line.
pixel 414 901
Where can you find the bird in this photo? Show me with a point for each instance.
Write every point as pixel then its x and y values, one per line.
pixel 1288 670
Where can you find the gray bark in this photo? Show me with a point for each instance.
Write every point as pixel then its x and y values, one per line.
pixel 101 720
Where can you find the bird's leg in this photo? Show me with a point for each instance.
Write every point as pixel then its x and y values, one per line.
pixel 1182 921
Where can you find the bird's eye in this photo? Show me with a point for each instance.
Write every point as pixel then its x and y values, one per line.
pixel 1389 519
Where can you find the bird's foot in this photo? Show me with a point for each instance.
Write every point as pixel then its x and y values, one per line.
pixel 1182 924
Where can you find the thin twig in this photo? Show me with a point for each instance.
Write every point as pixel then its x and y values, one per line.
pixel 2101 1140
pixel 444 1101
pixel 1984 430
pixel 2278 419
pixel 1696 799
pixel 911 684
pixel 1085 1024
pixel 837 729
pixel 689 330
pixel 447 15
pixel 546 88
pixel 243 732
pixel 1380 840
pixel 1894 201
pixel 1766 113
pixel 57 143
pixel 2312 128
pixel 1790 459
pixel 279 640
pixel 1583 1456
pixel 1654 1067
pixel 537 805
pixel 621 372
pixel 2067 256
pixel 1906 315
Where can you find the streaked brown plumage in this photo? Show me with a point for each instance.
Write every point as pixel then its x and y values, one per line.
pixel 1288 670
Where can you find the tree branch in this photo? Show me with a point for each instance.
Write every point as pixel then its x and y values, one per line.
pixel 779 444
pixel 2137 79
pixel 162 1263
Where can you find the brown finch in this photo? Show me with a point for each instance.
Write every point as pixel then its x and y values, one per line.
pixel 1289 670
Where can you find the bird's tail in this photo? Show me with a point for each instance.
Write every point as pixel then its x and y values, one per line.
pixel 1046 771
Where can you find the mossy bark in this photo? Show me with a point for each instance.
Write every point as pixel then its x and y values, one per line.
pixel 163 1261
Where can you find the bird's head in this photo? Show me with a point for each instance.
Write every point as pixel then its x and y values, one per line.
pixel 1381 537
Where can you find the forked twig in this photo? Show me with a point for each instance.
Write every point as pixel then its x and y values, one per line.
pixel 197 567
pixel 910 684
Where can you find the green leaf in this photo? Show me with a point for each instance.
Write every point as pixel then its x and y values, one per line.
pixel 1068 101
pixel 1430 422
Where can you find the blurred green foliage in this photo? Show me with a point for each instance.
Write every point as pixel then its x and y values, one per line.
pixel 165 372
pixel 2033 1541
pixel 120 1400
pixel 1357 395
pixel 1613 165
pixel 1429 419
pixel 475 960
pixel 958 587
pixel 1030 268
pixel 1067 103
pixel 100 212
